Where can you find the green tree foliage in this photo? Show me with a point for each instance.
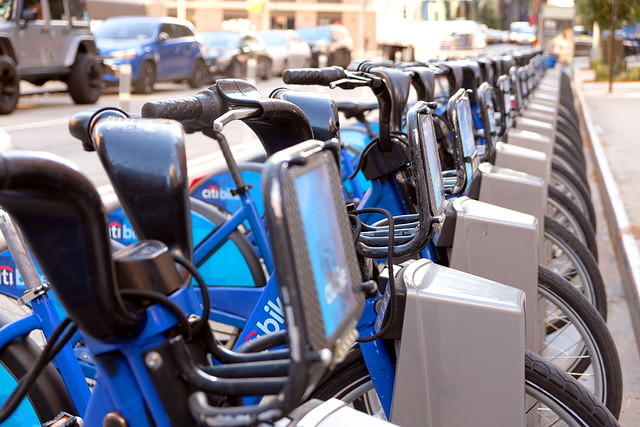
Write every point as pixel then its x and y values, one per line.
pixel 600 11
pixel 488 16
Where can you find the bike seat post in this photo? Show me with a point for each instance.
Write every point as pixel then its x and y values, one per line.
pixel 216 133
pixel 19 251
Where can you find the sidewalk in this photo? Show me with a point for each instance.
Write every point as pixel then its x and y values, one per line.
pixel 615 119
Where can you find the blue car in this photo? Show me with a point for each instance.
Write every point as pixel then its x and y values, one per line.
pixel 158 49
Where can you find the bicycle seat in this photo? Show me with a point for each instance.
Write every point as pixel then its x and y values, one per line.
pixel 355 109
pixel 280 125
pixel 453 72
pixel 399 84
pixel 424 81
pixel 319 108
pixel 61 216
pixel 147 166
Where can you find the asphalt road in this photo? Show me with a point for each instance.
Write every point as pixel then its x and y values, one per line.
pixel 41 123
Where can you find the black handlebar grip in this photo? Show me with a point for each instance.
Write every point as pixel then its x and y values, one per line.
pixel 313 76
pixel 187 108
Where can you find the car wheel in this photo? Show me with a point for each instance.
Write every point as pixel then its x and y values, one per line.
pixel 344 57
pixel 265 69
pixel 237 70
pixel 9 85
pixel 285 66
pixel 199 75
pixel 85 80
pixel 146 78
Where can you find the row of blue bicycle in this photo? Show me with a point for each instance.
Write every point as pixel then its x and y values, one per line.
pixel 425 259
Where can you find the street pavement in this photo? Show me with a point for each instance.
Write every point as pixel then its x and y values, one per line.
pixel 615 118
pixel 41 123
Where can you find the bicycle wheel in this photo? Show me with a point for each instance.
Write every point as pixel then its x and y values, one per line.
pixel 564 211
pixel 46 398
pixel 577 339
pixel 557 396
pixel 571 162
pixel 563 141
pixel 558 399
pixel 566 256
pixel 573 188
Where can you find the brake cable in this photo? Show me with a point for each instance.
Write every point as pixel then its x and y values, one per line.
pixel 58 339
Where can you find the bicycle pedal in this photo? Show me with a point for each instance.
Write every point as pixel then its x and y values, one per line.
pixel 64 419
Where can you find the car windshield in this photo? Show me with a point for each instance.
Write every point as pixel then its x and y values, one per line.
pixel 312 34
pixel 125 29
pixel 523 28
pixel 273 38
pixel 224 39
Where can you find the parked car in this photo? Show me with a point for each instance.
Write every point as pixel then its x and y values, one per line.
pixel 286 49
pixel 521 32
pixel 228 52
pixel 40 41
pixel 496 36
pixel 158 49
pixel 332 41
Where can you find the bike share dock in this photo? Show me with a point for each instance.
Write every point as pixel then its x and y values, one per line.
pixel 611 145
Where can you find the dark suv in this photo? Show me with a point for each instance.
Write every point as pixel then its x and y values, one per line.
pixel 44 40
pixel 332 42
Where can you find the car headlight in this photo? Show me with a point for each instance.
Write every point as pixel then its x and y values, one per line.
pixel 123 54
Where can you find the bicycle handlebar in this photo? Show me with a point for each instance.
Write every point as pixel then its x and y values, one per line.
pixel 194 112
pixel 313 76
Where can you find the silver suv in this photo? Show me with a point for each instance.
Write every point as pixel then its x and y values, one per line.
pixel 42 40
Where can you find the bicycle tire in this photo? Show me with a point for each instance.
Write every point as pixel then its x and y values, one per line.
pixel 569 208
pixel 541 378
pixel 584 188
pixel 564 142
pixel 580 160
pixel 544 380
pixel 48 396
pixel 239 239
pixel 581 257
pixel 574 137
pixel 579 310
pixel 571 162
pixel 218 216
pixel 578 191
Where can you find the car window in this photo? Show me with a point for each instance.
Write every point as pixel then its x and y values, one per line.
pixel 5 9
pixel 179 31
pixel 273 38
pixel 250 42
pixel 34 4
pixel 78 11
pixel 186 31
pixel 56 10
pixel 313 34
pixel 173 30
pixel 126 29
pixel 224 39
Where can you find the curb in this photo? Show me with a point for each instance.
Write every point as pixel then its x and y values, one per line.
pixel 622 239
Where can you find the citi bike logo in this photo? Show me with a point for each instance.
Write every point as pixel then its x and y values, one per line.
pixel 10 276
pixel 213 192
pixel 273 320
pixel 119 231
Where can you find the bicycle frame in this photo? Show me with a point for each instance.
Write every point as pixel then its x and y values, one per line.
pixel 44 317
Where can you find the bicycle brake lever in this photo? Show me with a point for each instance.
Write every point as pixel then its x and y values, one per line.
pixel 351 82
